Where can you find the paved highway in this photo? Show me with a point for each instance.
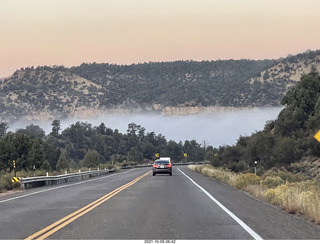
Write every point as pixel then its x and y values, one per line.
pixel 135 205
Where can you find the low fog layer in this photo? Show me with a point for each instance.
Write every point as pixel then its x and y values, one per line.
pixel 215 129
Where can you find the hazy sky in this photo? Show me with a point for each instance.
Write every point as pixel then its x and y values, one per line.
pixel 70 32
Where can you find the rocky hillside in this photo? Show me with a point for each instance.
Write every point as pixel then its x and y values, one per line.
pixel 290 69
pixel 54 92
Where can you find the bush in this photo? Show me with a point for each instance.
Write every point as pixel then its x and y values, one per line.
pixel 91 159
pixel 248 179
pixel 5 183
pixel 272 196
pixel 283 174
pixel 272 182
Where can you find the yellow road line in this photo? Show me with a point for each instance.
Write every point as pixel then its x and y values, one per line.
pixel 44 233
pixel 69 216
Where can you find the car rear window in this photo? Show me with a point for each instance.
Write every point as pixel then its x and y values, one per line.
pixel 162 162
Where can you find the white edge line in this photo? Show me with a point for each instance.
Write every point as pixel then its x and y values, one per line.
pixel 239 221
pixel 58 187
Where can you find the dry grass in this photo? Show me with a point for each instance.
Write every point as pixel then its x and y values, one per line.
pixel 223 175
pixel 256 191
pixel 299 197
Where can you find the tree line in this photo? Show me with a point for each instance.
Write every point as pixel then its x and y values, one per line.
pixel 82 145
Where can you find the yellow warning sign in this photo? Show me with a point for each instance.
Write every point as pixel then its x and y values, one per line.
pixel 317 136
pixel 15 179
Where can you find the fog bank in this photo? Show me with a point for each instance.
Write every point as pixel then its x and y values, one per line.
pixel 215 129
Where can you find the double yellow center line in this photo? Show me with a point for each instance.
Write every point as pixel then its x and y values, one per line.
pixel 44 233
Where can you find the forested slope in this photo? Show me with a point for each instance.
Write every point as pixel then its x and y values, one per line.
pixel 288 139
pixel 55 92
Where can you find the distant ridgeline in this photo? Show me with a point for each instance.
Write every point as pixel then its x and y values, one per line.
pixel 55 92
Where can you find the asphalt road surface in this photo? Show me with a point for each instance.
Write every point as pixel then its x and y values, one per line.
pixel 134 205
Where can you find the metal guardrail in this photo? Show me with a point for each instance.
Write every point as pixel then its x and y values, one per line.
pixel 31 182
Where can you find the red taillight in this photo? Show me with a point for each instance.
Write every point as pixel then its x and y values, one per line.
pixel 155 166
pixel 169 165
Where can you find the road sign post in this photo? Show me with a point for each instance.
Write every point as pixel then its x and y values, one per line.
pixel 14 168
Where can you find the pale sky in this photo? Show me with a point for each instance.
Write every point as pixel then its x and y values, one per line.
pixel 70 32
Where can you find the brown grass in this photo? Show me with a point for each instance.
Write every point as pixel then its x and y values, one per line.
pixel 299 197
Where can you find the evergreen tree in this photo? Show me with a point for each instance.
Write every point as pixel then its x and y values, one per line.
pixel 91 159
pixel 36 155
pixel 55 128
pixel 62 163
pixel 135 155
